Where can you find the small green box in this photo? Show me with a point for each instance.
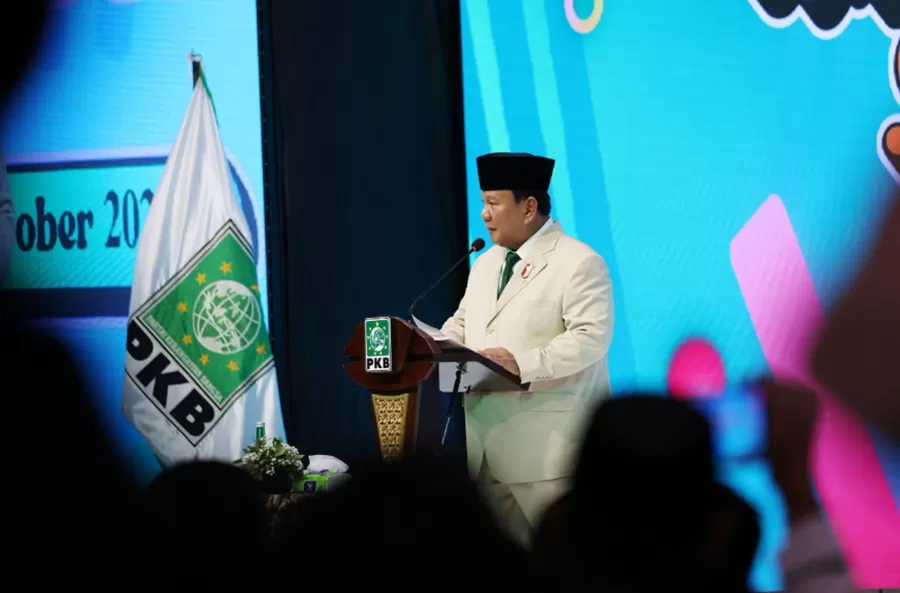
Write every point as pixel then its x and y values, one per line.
pixel 320 481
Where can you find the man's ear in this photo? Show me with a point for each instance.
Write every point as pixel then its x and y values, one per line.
pixel 531 207
pixel 858 354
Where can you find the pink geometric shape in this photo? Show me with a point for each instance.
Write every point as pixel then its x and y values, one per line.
pixel 696 370
pixel 786 312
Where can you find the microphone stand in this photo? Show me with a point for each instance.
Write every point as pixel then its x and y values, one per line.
pixel 436 282
pixel 476 246
pixel 454 400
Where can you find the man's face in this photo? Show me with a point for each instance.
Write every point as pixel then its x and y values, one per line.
pixel 506 220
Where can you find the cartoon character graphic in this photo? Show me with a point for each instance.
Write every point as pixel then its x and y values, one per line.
pixel 889 135
pixel 827 19
pixel 852 482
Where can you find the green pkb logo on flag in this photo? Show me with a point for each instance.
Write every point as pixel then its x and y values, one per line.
pixel 378 345
pixel 209 319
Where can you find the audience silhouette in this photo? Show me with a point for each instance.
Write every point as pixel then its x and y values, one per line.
pixel 645 512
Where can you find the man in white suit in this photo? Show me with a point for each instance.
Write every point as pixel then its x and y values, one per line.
pixel 539 303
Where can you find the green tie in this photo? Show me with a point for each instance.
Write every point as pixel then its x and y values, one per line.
pixel 512 258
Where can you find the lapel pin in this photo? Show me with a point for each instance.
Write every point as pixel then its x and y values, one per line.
pixel 526 270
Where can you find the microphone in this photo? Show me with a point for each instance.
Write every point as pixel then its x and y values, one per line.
pixel 477 245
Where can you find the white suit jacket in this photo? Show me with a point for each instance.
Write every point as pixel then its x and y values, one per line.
pixel 556 317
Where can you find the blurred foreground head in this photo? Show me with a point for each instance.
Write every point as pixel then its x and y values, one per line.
pixel 67 501
pixel 24 25
pixel 644 490
pixel 418 515
pixel 858 355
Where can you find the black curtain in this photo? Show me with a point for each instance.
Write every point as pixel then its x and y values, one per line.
pixel 365 188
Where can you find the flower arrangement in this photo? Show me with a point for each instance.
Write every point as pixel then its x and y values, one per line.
pixel 273 463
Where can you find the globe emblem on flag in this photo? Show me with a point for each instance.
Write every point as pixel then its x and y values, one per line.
pixel 378 339
pixel 226 317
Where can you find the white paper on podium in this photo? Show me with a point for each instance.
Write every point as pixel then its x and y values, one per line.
pixel 474 377
pixel 436 334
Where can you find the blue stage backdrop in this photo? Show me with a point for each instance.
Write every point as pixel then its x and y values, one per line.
pixel 86 138
pixel 726 158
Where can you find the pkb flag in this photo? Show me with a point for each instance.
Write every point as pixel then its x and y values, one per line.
pixel 199 369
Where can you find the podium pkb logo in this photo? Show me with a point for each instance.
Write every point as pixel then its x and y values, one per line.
pixel 378 345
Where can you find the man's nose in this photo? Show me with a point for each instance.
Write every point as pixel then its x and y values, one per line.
pixel 485 215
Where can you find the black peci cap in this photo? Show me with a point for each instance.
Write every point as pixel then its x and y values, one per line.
pixel 514 171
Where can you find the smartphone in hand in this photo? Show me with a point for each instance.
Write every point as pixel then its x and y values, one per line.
pixel 739 423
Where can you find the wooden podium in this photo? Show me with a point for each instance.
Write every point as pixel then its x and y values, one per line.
pixel 392 358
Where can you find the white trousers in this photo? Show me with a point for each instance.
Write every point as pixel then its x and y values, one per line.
pixel 519 507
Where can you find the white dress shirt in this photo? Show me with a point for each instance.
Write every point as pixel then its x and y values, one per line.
pixel 523 250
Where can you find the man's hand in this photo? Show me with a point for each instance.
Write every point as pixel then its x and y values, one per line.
pixel 504 358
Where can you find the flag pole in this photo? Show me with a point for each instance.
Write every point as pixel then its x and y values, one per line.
pixel 196 60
